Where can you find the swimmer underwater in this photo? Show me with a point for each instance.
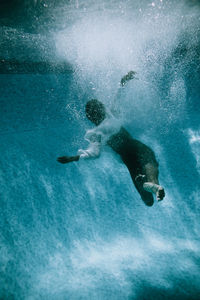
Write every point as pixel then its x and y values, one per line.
pixel 138 158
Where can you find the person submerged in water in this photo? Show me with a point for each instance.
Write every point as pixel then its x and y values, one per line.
pixel 138 158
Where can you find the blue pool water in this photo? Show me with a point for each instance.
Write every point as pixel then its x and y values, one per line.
pixel 81 231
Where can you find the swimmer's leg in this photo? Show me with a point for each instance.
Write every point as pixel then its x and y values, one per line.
pixel 151 183
pixel 156 189
pixel 138 181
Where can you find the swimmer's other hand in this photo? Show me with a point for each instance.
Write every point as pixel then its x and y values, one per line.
pixel 130 75
pixel 67 159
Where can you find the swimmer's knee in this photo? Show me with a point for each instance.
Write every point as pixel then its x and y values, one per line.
pixel 149 203
pixel 147 198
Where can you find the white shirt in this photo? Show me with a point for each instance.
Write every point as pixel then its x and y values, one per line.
pixel 98 136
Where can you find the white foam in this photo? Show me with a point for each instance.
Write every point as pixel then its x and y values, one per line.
pixel 194 140
pixel 88 263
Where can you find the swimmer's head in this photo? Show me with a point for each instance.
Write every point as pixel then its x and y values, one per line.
pixel 95 111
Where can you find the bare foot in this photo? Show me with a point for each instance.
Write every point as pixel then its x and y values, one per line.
pixel 160 194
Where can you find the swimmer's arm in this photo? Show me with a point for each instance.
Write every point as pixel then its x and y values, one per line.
pixel 115 107
pixel 93 150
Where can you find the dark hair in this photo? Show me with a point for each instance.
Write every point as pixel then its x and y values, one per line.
pixel 95 111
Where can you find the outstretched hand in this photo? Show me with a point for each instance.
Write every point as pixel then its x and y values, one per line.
pixel 130 75
pixel 67 159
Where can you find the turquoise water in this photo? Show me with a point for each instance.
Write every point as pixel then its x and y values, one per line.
pixel 81 231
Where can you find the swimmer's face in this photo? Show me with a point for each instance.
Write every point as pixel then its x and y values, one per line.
pixel 95 111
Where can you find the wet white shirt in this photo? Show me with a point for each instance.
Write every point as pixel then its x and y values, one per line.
pixel 98 136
